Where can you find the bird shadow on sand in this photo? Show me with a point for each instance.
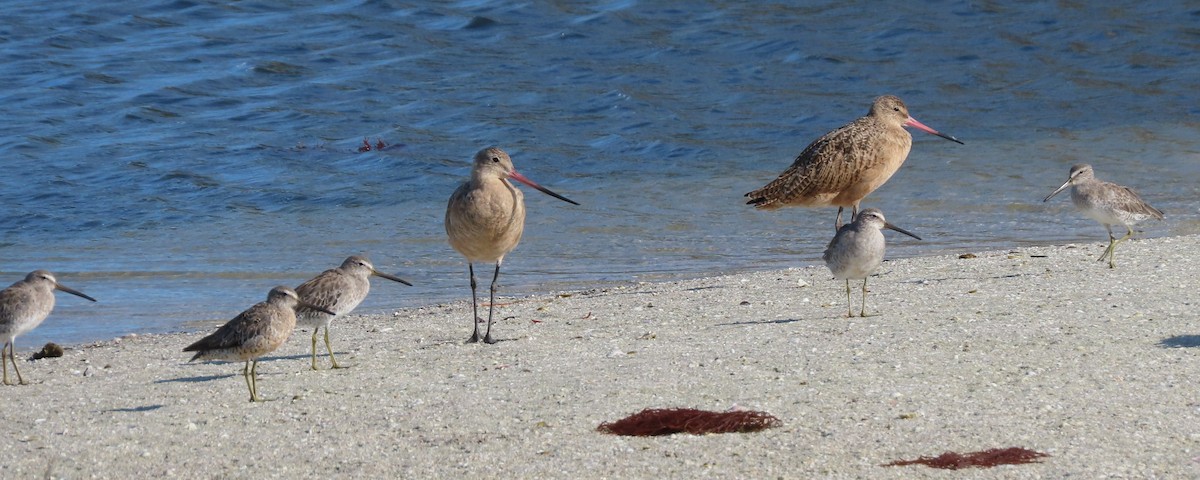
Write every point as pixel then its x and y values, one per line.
pixel 144 408
pixel 298 356
pixel 445 342
pixel 923 281
pixel 1180 341
pixel 202 378
pixel 759 322
pixel 458 342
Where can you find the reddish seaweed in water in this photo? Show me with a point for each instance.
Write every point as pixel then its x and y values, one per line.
pixel 379 145
pixel 665 421
pixel 982 459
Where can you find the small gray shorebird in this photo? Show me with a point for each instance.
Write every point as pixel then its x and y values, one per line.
pixel 255 332
pixel 856 251
pixel 847 164
pixel 339 290
pixel 23 306
pixel 485 218
pixel 1107 203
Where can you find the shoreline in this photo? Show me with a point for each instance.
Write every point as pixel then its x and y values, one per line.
pixel 523 289
pixel 1036 347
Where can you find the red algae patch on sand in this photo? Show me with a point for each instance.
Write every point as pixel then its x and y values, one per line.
pixel 666 421
pixel 981 459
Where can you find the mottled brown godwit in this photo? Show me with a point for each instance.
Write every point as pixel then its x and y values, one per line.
pixel 1107 203
pixel 338 290
pixel 485 218
pixel 845 165
pixel 857 250
pixel 23 306
pixel 255 332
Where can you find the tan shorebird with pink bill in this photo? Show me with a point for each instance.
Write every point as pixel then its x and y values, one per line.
pixel 485 219
pixel 845 165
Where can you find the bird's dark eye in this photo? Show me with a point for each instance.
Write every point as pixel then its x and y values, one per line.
pixel 896 109
pixel 495 159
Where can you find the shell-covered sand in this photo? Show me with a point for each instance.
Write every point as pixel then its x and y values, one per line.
pixel 1042 348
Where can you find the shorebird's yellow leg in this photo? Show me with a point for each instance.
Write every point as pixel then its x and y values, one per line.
pixel 1112 256
pixel 4 360
pixel 328 346
pixel 254 379
pixel 248 371
pixel 849 308
pixel 1110 252
pixel 863 312
pixel 314 346
pixel 246 376
pixel 12 355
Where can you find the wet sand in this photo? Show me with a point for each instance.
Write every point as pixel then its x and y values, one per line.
pixel 1042 348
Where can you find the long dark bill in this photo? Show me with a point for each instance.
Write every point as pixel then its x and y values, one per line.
pixel 521 178
pixel 390 277
pixel 901 230
pixel 1055 192
pixel 71 291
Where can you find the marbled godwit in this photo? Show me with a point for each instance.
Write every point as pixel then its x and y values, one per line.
pixel 338 290
pixel 845 165
pixel 857 250
pixel 485 218
pixel 1107 203
pixel 23 306
pixel 255 332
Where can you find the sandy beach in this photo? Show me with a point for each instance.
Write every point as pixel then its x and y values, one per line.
pixel 1042 348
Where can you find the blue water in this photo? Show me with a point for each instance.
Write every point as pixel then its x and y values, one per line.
pixel 177 159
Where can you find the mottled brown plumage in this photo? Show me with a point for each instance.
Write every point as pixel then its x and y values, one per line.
pixel 23 306
pixel 485 218
pixel 338 290
pixel 845 165
pixel 255 332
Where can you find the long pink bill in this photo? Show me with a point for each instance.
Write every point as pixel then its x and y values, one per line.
pixel 912 122
pixel 521 178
